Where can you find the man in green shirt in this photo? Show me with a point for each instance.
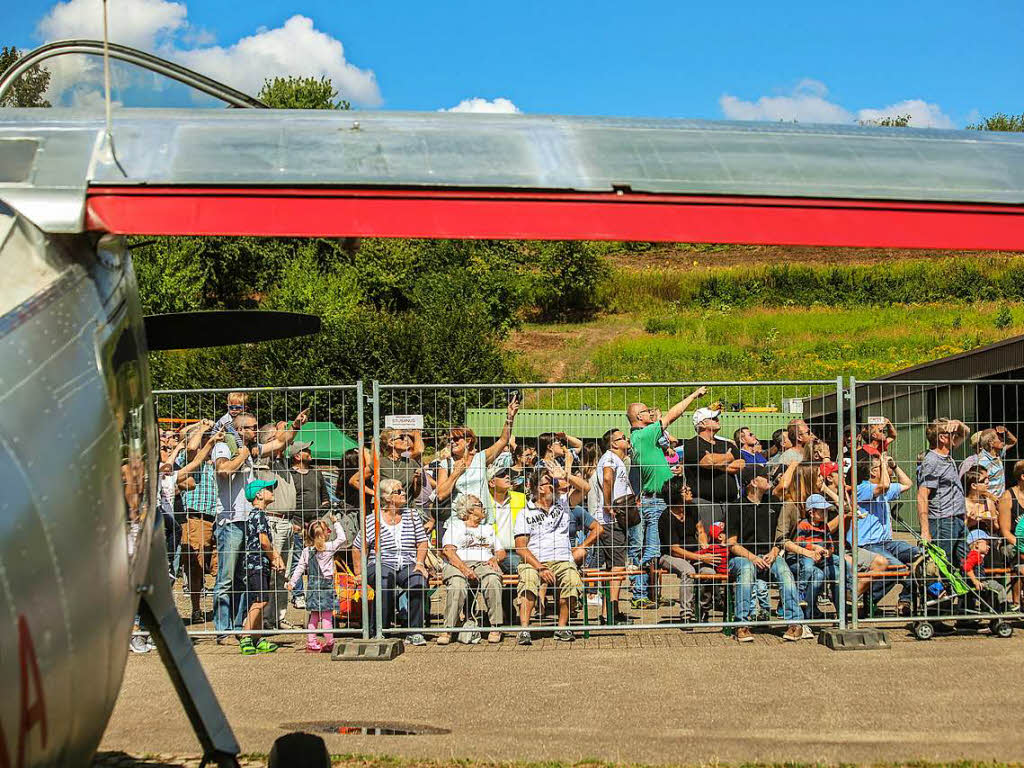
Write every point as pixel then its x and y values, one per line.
pixel 646 428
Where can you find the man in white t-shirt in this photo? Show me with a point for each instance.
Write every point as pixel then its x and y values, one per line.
pixel 233 473
pixel 542 541
pixel 473 556
pixel 612 481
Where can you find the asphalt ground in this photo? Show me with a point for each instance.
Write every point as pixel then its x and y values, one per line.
pixel 650 697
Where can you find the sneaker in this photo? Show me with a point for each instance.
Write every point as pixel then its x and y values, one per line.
pixel 523 638
pixel 299 601
pixel 641 603
pixel 594 601
pixel 327 647
pixel 246 648
pixel 444 638
pixel 494 637
pixel 903 609
pixel 824 604
pixel 744 635
pixel 285 624
pixel 197 617
pixel 416 639
pixel 265 646
pixel 138 644
pixel 564 636
pixel 686 618
pixel 793 633
pixel 1013 608
pixel 808 633
pixel 227 640
pixel 314 648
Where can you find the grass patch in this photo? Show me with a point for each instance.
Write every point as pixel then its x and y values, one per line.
pixel 369 761
pixel 697 345
pixel 962 280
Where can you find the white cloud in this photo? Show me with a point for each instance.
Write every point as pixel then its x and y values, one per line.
pixel 808 103
pixel 161 27
pixel 499 105
pixel 297 48
pixel 922 114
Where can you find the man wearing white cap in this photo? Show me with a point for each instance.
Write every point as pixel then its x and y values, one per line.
pixel 711 468
pixel 646 430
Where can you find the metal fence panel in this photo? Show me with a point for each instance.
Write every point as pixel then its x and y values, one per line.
pixel 227 587
pixel 946 535
pixel 628 579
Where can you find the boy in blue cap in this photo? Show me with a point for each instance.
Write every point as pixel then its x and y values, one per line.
pixel 260 558
pixel 989 590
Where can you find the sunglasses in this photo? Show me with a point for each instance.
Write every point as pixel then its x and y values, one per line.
pixel 235 407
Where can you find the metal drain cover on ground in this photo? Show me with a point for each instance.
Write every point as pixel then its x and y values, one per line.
pixel 365 728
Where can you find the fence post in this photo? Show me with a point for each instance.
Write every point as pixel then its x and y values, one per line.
pixel 841 586
pixel 363 587
pixel 378 597
pixel 853 484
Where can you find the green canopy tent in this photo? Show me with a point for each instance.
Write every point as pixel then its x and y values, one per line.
pixel 329 442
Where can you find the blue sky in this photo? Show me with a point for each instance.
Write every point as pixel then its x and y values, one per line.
pixel 943 62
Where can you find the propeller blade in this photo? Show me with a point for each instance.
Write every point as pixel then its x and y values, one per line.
pixel 217 328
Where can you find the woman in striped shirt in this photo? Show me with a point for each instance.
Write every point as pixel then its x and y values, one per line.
pixel 402 553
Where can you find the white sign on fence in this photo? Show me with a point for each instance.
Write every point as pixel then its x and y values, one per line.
pixel 404 421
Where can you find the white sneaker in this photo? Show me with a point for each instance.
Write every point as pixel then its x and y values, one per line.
pixel 416 639
pixel 807 633
pixel 299 602
pixel 138 644
pixel 594 601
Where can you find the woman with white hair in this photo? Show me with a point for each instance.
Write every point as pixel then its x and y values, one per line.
pixel 403 554
pixel 473 556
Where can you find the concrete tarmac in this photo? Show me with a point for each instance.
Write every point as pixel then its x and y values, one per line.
pixel 665 697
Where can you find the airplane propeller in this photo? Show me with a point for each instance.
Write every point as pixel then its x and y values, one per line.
pixel 216 328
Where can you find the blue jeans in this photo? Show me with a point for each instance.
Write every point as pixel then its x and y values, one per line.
pixel 811 577
pixel 391 580
pixel 228 605
pixel 644 542
pixel 297 552
pixel 897 553
pixel 742 573
pixel 950 534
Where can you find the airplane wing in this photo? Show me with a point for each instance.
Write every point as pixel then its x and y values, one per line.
pixel 393 174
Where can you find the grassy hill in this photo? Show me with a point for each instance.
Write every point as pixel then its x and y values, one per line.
pixel 676 313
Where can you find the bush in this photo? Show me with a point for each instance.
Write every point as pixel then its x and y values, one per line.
pixel 569 280
pixel 1004 318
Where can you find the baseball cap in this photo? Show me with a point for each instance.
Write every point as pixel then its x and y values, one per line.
pixel 976 534
pixel 498 469
pixel 704 413
pixel 817 501
pixel 297 446
pixel 255 486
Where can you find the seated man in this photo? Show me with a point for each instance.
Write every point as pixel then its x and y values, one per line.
pixel 754 554
pixel 542 542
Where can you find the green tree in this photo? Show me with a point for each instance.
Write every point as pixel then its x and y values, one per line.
pixel 890 121
pixel 999 122
pixel 31 85
pixel 301 93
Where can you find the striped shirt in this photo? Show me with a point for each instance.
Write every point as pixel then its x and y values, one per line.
pixel 397 543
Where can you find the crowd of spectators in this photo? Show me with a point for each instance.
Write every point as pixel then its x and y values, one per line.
pixel 513 529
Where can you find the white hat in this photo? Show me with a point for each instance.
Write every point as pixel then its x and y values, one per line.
pixel 704 413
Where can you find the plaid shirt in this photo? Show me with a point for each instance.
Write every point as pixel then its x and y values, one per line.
pixel 203 498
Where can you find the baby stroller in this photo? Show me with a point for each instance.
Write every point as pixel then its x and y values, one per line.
pixel 939 590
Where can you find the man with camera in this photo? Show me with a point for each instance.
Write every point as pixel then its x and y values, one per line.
pixel 881 481
pixel 646 431
pixel 615 507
